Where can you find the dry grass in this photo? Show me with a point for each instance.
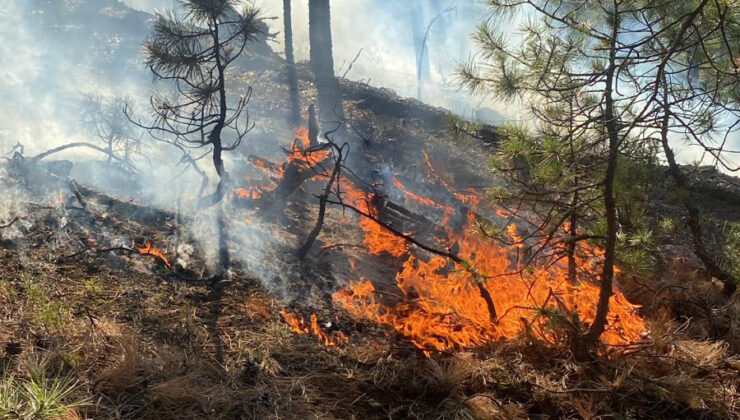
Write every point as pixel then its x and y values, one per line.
pixel 140 343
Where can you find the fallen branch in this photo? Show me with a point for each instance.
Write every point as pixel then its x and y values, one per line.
pixel 10 223
pixel 42 155
pixel 96 251
pixel 76 191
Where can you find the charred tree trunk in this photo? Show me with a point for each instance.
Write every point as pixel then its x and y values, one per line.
pixel 295 112
pixel 714 269
pixel 322 62
pixel 215 138
pixel 323 198
pixel 313 126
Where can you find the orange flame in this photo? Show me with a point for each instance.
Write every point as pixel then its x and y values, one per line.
pixel 414 197
pixel 377 239
pixel 300 155
pixel 470 197
pixel 298 325
pixel 295 322
pixel 148 249
pixel 441 307
pixel 301 135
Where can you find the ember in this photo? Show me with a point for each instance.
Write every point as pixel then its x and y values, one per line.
pixel 148 249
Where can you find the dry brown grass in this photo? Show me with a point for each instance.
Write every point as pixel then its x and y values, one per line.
pixel 145 345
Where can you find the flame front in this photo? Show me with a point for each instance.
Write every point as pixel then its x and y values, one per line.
pixel 441 307
pixel 377 239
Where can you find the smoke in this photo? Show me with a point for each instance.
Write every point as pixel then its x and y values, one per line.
pixel 390 35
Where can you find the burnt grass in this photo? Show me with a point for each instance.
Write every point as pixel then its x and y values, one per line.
pixel 142 341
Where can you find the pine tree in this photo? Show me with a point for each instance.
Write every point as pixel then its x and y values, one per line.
pixel 194 53
pixel 589 73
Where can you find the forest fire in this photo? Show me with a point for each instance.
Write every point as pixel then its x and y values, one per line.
pixel 414 197
pixel 469 197
pixel 149 249
pixel 442 308
pixel 301 153
pixel 443 304
pixel 300 156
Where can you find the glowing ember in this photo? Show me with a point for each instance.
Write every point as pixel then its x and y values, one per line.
pixel 148 249
pixel 299 326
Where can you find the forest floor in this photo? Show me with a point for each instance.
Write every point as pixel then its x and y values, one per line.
pixel 116 335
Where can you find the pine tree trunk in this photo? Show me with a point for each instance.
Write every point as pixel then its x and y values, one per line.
pixel 714 269
pixel 571 249
pixel 610 206
pixel 295 112
pixel 218 163
pixel 322 62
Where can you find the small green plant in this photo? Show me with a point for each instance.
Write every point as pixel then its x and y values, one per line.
pixel 667 224
pixel 52 316
pixel 92 286
pixel 634 252
pixel 39 397
pixel 35 293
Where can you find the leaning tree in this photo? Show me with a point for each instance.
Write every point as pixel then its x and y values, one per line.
pixel 696 90
pixel 194 53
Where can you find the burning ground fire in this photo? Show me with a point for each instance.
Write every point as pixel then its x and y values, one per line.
pixel 298 325
pixel 300 155
pixel 441 306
